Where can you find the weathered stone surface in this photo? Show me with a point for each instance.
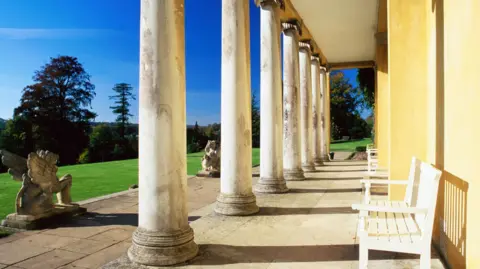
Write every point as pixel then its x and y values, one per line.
pixel 52 259
pixel 34 203
pixel 293 174
pixel 236 204
pixel 160 248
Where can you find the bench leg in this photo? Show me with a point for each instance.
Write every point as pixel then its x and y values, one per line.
pixel 363 261
pixel 425 260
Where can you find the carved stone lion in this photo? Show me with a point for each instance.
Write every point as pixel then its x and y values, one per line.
pixel 38 174
pixel 211 159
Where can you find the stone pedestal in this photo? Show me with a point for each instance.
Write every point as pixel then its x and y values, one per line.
pixel 203 173
pixel 317 112
pixel 236 197
pixel 58 214
pixel 163 236
pixel 271 140
pixel 292 165
pixel 306 107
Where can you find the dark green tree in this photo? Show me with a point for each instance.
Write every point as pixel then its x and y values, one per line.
pixel 255 122
pixel 57 108
pixel 345 103
pixel 121 107
pixel 366 84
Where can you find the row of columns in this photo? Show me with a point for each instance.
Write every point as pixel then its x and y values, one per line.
pixel 292 137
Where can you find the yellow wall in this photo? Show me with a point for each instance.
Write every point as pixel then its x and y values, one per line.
pixel 456 26
pixel 407 76
pixel 434 83
pixel 382 129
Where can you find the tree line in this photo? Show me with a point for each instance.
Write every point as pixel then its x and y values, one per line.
pixel 55 113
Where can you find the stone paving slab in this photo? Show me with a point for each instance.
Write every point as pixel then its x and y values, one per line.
pixel 312 226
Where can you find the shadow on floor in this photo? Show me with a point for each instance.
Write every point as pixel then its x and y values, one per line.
pixel 99 219
pixel 293 190
pixel 333 178
pixel 278 211
pixel 216 254
pixel 335 171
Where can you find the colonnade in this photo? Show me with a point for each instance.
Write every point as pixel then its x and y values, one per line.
pixel 292 135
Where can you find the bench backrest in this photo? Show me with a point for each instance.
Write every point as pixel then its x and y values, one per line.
pixel 427 198
pixel 411 192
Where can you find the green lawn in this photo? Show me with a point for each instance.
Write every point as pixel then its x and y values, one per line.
pixel 350 145
pixel 89 179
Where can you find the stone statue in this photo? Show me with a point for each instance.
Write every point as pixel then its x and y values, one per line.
pixel 211 160
pixel 38 174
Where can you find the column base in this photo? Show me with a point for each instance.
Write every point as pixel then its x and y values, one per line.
pixel 156 248
pixel 236 204
pixel 293 174
pixel 318 161
pixel 271 185
pixel 308 167
pixel 326 158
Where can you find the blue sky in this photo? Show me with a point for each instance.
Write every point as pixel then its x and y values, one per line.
pixel 104 36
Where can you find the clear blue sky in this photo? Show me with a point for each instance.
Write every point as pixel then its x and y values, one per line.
pixel 104 35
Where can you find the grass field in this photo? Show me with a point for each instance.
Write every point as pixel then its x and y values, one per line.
pixel 92 180
pixel 350 145
pixel 96 179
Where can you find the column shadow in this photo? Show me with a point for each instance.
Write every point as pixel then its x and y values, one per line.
pixel 218 254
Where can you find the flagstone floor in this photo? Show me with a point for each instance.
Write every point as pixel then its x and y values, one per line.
pixel 312 226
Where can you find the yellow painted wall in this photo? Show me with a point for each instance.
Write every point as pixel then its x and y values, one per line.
pixel 434 83
pixel 455 27
pixel 407 76
pixel 382 96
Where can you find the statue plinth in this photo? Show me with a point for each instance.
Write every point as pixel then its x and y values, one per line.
pixel 58 214
pixel 203 173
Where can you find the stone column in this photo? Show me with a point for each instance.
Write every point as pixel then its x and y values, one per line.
pixel 317 112
pixel 271 122
pixel 306 107
pixel 163 236
pixel 324 123
pixel 236 197
pixel 292 162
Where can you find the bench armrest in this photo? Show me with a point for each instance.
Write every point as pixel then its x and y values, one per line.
pixel 384 181
pixel 388 209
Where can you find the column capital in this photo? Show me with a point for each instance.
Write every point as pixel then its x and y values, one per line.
pixel 292 25
pixel 306 44
pixel 275 3
pixel 323 68
pixel 315 58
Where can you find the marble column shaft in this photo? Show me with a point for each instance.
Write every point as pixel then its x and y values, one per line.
pixel 306 107
pixel 236 197
pixel 163 236
pixel 292 162
pixel 317 112
pixel 324 100
pixel 271 123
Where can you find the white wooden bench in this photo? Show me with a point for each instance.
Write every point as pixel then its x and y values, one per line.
pixel 372 159
pixel 411 183
pixel 398 226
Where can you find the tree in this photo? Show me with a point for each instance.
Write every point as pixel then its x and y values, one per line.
pixel 56 107
pixel 366 83
pixel 345 102
pixel 255 122
pixel 102 144
pixel 122 106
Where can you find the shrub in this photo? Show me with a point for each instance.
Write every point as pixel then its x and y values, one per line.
pixel 361 149
pixel 84 157
pixel 193 147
